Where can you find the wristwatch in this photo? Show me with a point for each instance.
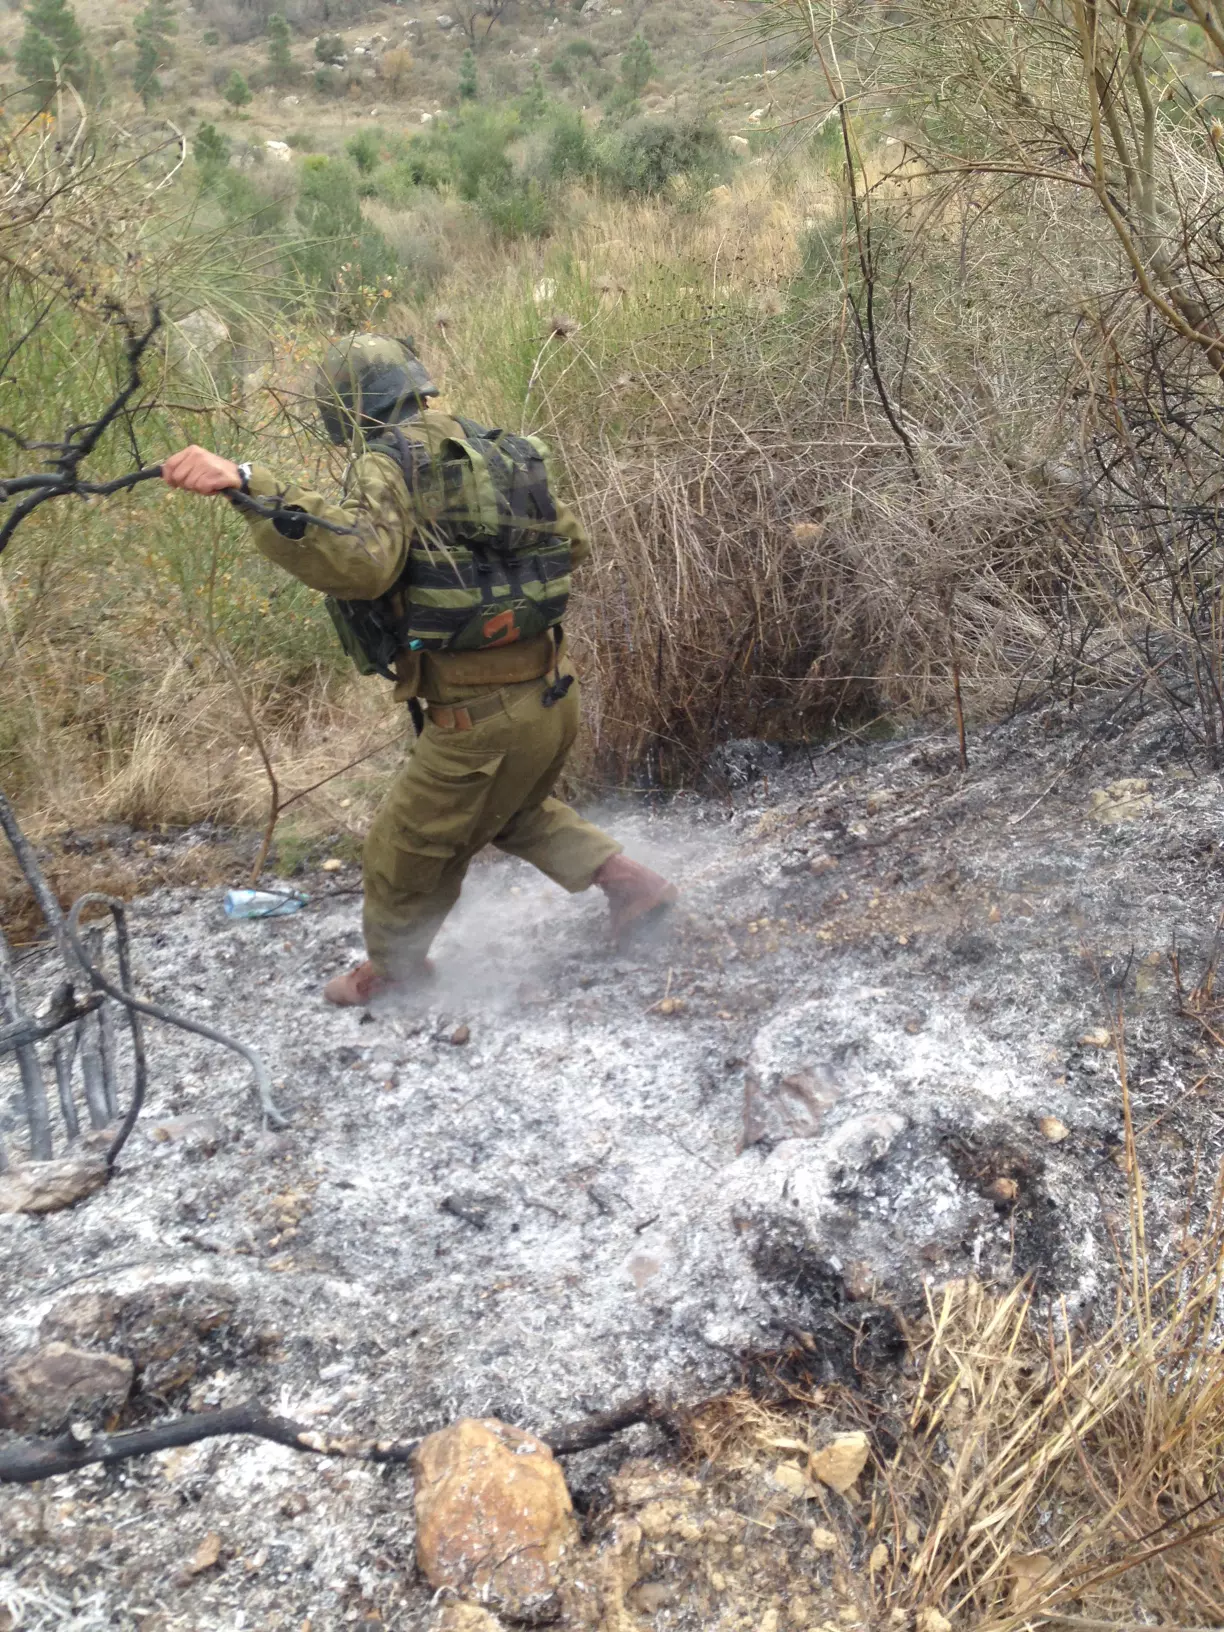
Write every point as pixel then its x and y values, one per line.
pixel 244 477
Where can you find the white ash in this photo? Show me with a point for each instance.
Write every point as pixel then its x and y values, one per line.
pixel 558 1213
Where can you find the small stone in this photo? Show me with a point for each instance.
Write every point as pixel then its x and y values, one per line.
pixel 465 1618
pixel 823 1541
pixel 1098 1037
pixel 1027 1572
pixel 841 1461
pixel 1003 1190
pixel 1124 801
pixel 930 1620
pixel 822 864
pixel 46 1388
pixel 494 1517
pixel 461 1035
pixel 49 1187
pixel 1053 1130
pixel 879 1559
pixel 792 1479
pixel 204 1133
pixel 670 1005
pixel 206 1554
pixel 333 864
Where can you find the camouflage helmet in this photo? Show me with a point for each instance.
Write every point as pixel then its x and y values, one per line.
pixel 367 380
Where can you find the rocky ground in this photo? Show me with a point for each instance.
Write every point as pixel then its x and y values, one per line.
pixel 875 1048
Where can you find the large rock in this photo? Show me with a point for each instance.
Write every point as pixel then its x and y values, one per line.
pixel 43 1390
pixel 48 1187
pixel 200 347
pixel 494 1518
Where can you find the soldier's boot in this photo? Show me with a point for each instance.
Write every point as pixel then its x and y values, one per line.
pixel 363 984
pixel 634 893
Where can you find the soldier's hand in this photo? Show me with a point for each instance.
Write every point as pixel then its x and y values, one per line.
pixel 196 470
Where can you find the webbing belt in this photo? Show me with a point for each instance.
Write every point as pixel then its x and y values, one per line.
pixel 463 716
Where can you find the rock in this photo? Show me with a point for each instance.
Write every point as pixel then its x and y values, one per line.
pixel 43 1390
pixel 722 191
pixel 170 1333
pixel 280 152
pixel 794 1108
pixel 200 345
pixel 757 114
pixel 333 864
pixel 879 1559
pixel 739 142
pixel 1099 1037
pixel 1124 801
pixel 544 291
pixel 206 1554
pixel 205 1133
pixel 841 1461
pixel 1004 1190
pixel 1053 1130
pixel 789 1477
pixel 930 1620
pixel 461 1035
pixel 445 22
pixel 1028 1572
pixel 823 1541
pixel 494 1517
pixel 48 1187
pixel 290 101
pixel 465 1618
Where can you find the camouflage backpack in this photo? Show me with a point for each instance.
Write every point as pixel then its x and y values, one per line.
pixel 484 569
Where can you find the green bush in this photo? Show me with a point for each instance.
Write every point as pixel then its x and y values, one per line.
pixel 282 70
pixel 211 151
pixel 329 81
pixel 571 151
pixel 637 65
pixel 334 235
pixel 647 153
pixel 468 88
pixel 518 209
pixel 237 92
pixel 365 150
pixel 52 40
pixel 477 144
pixel 329 50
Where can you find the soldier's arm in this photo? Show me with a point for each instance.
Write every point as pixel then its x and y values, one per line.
pixel 359 564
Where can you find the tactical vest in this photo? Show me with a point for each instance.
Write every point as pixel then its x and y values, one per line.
pixel 483 570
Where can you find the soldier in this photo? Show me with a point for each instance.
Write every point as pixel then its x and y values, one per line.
pixel 447 566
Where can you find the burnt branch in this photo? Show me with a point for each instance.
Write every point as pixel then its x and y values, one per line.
pixel 24 1461
pixel 62 477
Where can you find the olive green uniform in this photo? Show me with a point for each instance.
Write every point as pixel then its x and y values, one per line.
pixel 484 767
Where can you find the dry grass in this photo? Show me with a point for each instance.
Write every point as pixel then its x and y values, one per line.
pixel 1032 1468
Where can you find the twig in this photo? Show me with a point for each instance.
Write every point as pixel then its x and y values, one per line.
pixel 25 1461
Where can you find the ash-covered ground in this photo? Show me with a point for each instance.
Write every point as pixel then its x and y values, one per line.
pixel 566 1173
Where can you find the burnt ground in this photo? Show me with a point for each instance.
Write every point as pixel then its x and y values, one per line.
pixel 821 1086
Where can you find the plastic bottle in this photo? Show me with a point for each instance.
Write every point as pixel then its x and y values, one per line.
pixel 263 903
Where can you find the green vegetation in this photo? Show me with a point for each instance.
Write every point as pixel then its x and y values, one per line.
pixel 468 89
pixel 52 47
pixel 155 28
pixel 237 91
pixel 282 70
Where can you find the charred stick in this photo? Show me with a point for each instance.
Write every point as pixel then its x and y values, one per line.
pixel 138 1005
pixel 33 1092
pixel 588 1432
pixel 27 1460
pixel 64 1053
pixel 91 1071
pixel 34 1031
pixel 24 1461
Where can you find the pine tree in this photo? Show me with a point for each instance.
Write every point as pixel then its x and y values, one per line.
pixel 52 47
pixel 154 27
pixel 468 89
pixel 535 98
pixel 237 91
pixel 280 61
pixel 211 150
pixel 637 65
